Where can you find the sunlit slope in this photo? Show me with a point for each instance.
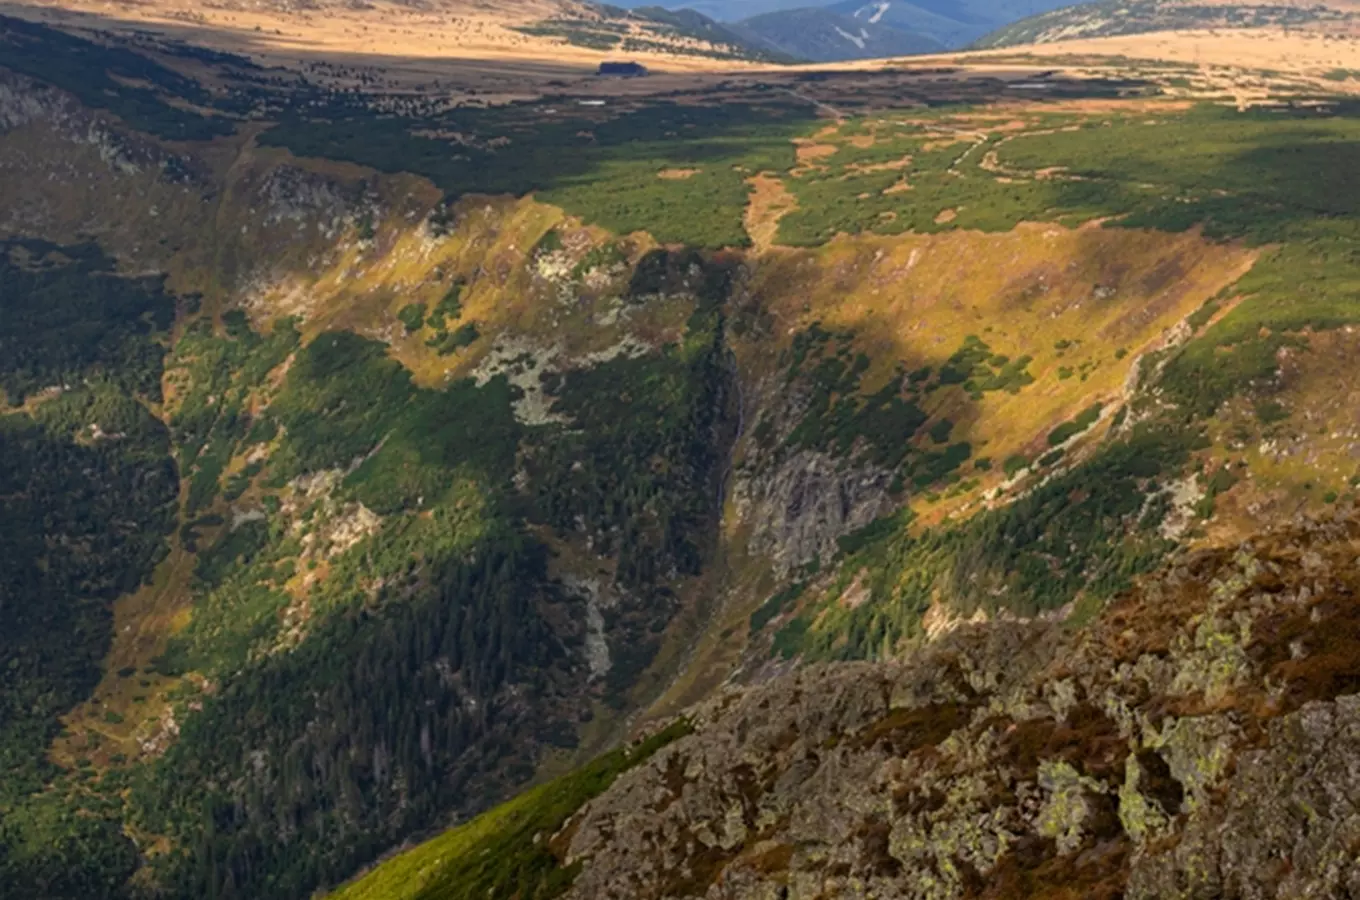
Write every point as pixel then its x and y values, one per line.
pixel 1117 478
pixel 1119 17
pixel 512 850
pixel 441 44
pixel 338 502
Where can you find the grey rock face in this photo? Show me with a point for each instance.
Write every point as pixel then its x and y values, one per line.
pixel 799 507
pixel 301 197
pixel 799 776
pixel 23 101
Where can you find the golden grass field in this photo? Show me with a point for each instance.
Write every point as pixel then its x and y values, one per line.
pixel 461 49
pixel 455 45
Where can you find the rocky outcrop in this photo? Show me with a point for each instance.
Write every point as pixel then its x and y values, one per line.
pixel 797 500
pixel 24 102
pixel 800 506
pixel 1287 826
pixel 303 198
pixel 1198 740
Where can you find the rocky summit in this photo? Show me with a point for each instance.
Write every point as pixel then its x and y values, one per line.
pixel 1198 739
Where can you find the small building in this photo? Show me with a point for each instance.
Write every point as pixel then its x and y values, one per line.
pixel 622 69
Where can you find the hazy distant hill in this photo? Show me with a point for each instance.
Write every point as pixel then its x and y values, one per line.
pixel 649 28
pixel 953 23
pixel 951 28
pixel 825 35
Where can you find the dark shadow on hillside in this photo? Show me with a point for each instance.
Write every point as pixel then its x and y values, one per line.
pixel 861 91
pixel 997 559
pixel 1264 176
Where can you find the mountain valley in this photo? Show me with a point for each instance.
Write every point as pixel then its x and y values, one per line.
pixel 912 478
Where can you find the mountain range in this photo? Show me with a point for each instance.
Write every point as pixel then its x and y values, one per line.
pixel 850 29
pixel 825 35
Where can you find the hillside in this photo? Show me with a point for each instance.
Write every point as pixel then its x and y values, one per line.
pixel 1116 17
pixel 434 48
pixel 1199 730
pixel 856 30
pixel 377 456
pixel 654 30
pixel 821 35
pixel 952 24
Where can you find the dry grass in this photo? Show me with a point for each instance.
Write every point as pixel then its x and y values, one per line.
pixel 810 153
pixel 1297 464
pixel 143 623
pixel 913 299
pixel 1246 64
pixel 770 201
pixel 410 44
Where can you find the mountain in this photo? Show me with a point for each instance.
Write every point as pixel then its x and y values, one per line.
pixel 856 30
pixel 950 30
pixel 720 483
pixel 1113 18
pixel 953 24
pixel 653 29
pixel 1138 757
pixel 821 35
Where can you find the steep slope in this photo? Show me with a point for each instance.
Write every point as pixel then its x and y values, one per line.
pixel 905 470
pixel 1200 729
pixel 376 625
pixel 820 35
pixel 1203 728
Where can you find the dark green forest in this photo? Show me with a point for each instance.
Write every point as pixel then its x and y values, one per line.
pixel 433 664
pixel 87 494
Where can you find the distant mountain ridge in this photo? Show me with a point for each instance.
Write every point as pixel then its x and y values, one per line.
pixel 951 25
pixel 827 35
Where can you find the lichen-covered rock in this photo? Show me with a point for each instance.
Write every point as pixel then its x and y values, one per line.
pixel 1200 739
pixel 1142 816
pixel 1066 809
pixel 1289 825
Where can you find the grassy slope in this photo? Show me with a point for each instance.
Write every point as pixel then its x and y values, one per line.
pixel 356 274
pixel 1260 204
pixel 506 851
